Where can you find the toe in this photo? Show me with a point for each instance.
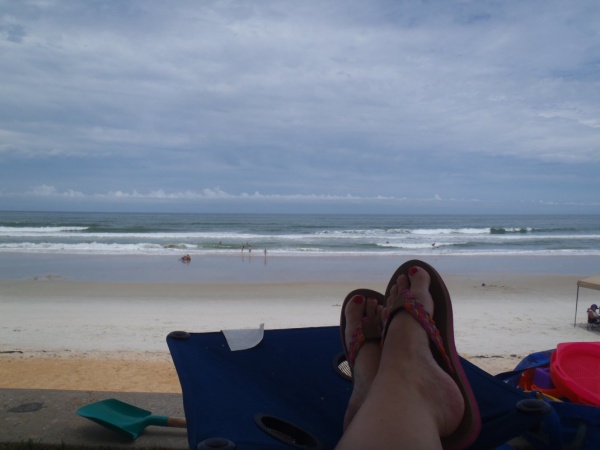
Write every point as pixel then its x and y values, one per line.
pixel 398 290
pixel 373 311
pixel 402 283
pixel 355 309
pixel 419 286
pixel 419 280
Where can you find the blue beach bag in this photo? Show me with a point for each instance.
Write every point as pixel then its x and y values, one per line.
pixel 568 426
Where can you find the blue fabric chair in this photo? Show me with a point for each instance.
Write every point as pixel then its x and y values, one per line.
pixel 290 391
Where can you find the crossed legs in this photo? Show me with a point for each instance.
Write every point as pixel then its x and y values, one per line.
pixel 401 399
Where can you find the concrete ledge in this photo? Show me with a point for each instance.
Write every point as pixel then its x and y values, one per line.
pixel 49 418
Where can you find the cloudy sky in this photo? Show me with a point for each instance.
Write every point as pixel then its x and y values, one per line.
pixel 430 106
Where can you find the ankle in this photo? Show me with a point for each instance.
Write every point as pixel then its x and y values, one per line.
pixel 405 338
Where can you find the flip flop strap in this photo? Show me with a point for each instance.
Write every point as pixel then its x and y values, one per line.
pixel 418 312
pixel 357 341
pixel 361 334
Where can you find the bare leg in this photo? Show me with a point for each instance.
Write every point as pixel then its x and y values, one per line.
pixel 411 402
pixel 367 359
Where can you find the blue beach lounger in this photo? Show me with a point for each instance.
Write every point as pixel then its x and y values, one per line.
pixel 290 391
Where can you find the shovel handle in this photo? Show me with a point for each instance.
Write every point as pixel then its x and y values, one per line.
pixel 176 422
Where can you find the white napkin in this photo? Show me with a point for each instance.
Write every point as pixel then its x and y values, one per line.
pixel 244 339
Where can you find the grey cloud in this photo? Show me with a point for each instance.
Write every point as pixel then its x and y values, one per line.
pixel 287 98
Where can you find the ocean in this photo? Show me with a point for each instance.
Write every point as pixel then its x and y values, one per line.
pixel 298 234
pixel 146 247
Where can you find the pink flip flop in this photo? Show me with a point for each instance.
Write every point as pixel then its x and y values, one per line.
pixel 366 332
pixel 440 329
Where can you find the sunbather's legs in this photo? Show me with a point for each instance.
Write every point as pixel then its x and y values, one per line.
pixel 367 360
pixel 411 401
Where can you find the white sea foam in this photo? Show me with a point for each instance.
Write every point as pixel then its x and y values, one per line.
pixel 91 233
pixel 34 231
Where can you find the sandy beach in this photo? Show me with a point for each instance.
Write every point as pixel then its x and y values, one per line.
pixel 60 333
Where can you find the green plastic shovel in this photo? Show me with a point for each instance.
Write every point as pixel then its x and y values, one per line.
pixel 125 418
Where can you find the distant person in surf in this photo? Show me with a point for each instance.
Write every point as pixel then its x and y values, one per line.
pixel 185 258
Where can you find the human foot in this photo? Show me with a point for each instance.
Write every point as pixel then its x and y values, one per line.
pixel 361 328
pixel 425 358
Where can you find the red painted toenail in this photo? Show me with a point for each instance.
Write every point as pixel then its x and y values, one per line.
pixel 413 270
pixel 358 299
